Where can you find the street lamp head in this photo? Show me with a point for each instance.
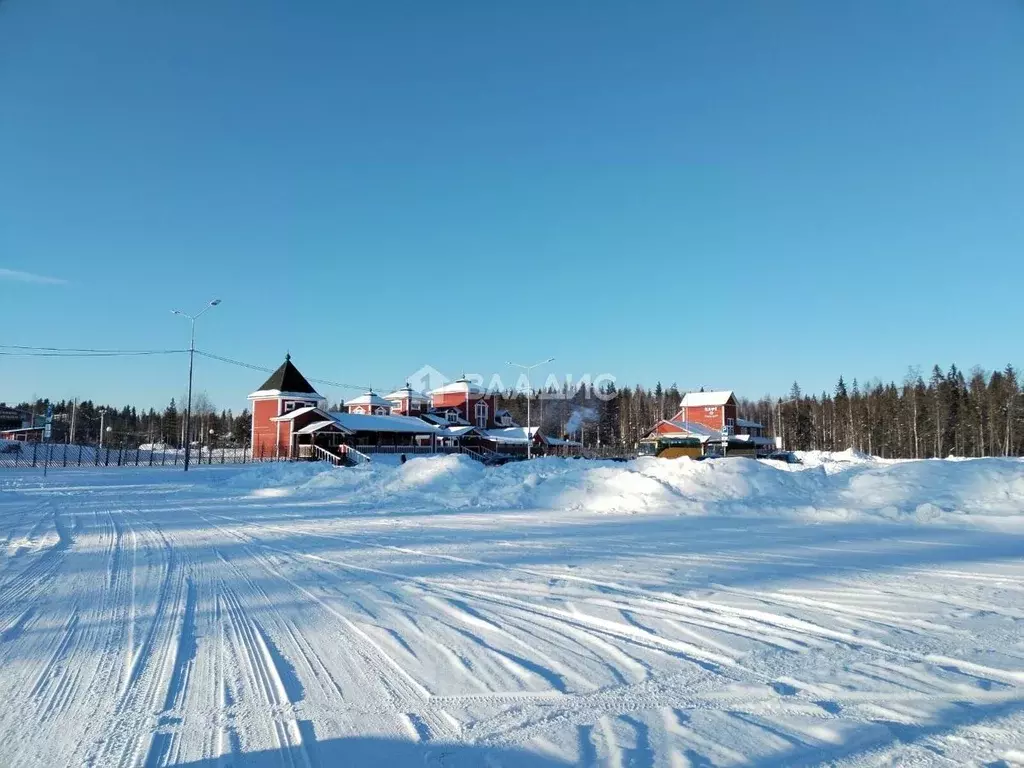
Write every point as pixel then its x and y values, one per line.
pixel 215 302
pixel 175 311
pixel 550 360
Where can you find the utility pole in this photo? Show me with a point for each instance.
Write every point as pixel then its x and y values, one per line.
pixel 103 412
pixel 529 396
pixel 191 360
pixel 74 416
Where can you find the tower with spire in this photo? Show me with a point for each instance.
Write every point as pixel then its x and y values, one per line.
pixel 286 391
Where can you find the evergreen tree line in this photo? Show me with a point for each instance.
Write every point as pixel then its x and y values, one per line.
pixel 131 427
pixel 978 414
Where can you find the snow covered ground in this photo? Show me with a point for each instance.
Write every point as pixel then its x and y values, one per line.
pixel 557 612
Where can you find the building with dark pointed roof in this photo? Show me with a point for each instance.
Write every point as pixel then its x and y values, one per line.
pixel 285 391
pixel 286 380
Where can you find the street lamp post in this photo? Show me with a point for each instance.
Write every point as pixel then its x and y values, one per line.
pixel 529 394
pixel 191 359
pixel 778 418
pixel 103 412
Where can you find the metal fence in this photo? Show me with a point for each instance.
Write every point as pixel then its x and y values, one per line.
pixel 59 455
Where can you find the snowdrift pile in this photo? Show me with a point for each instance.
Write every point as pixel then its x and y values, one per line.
pixel 843 487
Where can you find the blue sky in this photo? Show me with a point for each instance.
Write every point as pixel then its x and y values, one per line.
pixel 722 194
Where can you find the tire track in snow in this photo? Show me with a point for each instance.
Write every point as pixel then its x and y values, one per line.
pixel 250 646
pixel 149 667
pixel 404 695
pixel 30 586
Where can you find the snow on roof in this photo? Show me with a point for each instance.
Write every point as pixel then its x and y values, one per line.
pixel 298 412
pixel 749 424
pixel 369 398
pixel 558 441
pixel 697 399
pixel 696 430
pixel 753 440
pixel 362 422
pixel 316 426
pixel 408 393
pixel 460 385
pixel 510 434
pixel 438 416
pixel 285 393
pixel 457 431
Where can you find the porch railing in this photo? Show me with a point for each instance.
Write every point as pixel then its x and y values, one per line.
pixel 322 454
pixel 354 455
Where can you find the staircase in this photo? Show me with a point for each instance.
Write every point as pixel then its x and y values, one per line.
pixel 342 456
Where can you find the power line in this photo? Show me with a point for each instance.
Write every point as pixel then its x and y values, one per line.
pixel 264 369
pixel 21 350
pixel 42 352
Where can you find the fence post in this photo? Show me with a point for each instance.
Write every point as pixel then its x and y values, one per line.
pixel 35 447
pixel 66 446
pixel 80 455
pixel 222 451
pixel 106 457
pixel 163 456
pixel 137 452
pixel 151 457
pixel 96 456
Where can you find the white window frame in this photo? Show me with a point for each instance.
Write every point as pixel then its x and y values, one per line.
pixel 451 416
pixel 481 411
pixel 381 411
pixel 358 409
pixel 290 405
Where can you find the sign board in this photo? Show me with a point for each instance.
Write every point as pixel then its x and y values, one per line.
pixel 48 427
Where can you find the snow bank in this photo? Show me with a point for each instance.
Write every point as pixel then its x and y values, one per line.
pixel 925 491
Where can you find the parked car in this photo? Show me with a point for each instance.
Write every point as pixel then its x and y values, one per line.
pixel 786 456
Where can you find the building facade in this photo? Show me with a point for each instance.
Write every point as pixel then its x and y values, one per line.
pixel 284 392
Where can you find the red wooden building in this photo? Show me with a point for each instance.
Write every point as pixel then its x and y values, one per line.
pixel 462 401
pixel 711 418
pixel 369 403
pixel 290 420
pixel 715 410
pixel 408 402
pixel 284 392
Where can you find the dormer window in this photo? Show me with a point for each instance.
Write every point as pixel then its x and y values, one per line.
pixel 381 411
pixel 452 416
